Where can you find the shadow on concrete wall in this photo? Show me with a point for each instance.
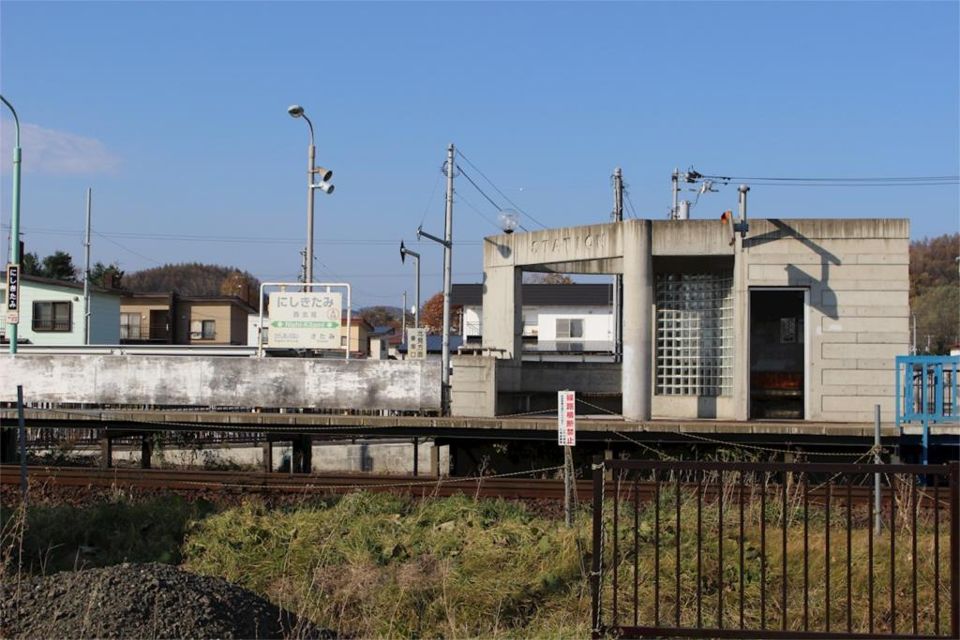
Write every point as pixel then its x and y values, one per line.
pixel 797 277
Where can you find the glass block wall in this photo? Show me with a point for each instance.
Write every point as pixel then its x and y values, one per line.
pixel 694 334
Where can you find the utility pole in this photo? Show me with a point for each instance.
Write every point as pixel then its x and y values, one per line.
pixel 303 265
pixel 447 278
pixel 86 274
pixel 675 185
pixel 403 317
pixel 617 279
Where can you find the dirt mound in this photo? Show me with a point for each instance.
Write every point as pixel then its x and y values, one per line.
pixel 140 601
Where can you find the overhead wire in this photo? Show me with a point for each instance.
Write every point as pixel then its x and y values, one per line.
pixel 824 181
pixel 497 189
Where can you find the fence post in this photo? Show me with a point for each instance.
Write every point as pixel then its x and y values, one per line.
pixel 22 436
pixel 876 460
pixel 955 549
pixel 597 560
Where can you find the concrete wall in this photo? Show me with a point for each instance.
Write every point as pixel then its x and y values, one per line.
pixel 857 276
pixel 222 381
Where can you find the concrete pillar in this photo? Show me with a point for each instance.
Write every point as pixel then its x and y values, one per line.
pixel 416 456
pixel 741 333
pixel 106 451
pixel 146 451
pixel 637 319
pixel 502 310
pixel 435 460
pixel 267 448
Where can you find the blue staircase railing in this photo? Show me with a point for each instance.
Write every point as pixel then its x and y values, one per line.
pixel 927 393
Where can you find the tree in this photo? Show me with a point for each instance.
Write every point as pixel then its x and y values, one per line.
pixel 191 279
pixel 59 266
pixel 380 316
pixel 934 298
pixel 106 276
pixel 431 316
pixel 535 277
pixel 241 285
pixel 31 265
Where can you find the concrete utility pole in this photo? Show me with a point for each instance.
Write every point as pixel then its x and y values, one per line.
pixel 86 274
pixel 447 280
pixel 15 217
pixel 403 317
pixel 675 186
pixel 617 279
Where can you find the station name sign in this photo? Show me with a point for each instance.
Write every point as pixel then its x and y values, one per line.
pixel 13 294
pixel 566 418
pixel 305 320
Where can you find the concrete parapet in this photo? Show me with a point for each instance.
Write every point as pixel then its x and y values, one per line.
pixel 408 385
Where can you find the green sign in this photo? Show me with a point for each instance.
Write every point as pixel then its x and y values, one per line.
pixel 304 324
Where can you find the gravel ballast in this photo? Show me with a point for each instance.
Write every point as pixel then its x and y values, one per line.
pixel 140 601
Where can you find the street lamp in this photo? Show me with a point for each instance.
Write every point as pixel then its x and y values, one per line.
pixel 15 220
pixel 296 111
pixel 404 252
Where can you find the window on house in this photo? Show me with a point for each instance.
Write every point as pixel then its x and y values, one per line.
pixel 569 328
pixel 203 329
pixel 694 334
pixel 343 341
pixel 52 316
pixel 130 326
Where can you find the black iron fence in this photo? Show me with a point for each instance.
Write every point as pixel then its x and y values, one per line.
pixel 762 550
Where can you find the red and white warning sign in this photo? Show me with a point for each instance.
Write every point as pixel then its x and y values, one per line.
pixel 566 418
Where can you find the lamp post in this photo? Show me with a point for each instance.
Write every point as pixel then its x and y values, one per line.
pixel 296 111
pixel 404 252
pixel 15 219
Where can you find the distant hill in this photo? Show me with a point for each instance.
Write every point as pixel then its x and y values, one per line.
pixel 194 279
pixel 935 292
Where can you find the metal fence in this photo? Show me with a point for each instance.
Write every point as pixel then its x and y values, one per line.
pixel 764 550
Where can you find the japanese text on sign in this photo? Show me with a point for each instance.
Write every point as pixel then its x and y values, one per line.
pixel 13 294
pixel 416 344
pixel 566 418
pixel 305 320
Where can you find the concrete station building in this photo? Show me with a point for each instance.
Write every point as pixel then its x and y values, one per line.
pixel 796 319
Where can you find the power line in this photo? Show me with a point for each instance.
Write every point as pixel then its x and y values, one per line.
pixel 215 239
pixel 953 179
pixel 497 189
pixel 477 187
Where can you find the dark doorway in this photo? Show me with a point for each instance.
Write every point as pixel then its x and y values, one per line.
pixel 160 325
pixel 777 362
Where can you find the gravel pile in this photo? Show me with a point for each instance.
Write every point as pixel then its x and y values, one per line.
pixel 140 601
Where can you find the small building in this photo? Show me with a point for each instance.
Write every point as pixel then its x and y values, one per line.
pixel 53 312
pixel 169 318
pixel 794 319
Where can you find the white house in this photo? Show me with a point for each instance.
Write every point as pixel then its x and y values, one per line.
pixel 557 319
pixel 52 312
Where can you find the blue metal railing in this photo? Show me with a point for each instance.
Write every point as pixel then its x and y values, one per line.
pixel 927 393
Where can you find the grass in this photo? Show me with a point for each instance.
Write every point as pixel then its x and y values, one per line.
pixel 379 565
pixel 49 538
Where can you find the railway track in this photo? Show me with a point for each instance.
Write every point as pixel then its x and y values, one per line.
pixel 235 482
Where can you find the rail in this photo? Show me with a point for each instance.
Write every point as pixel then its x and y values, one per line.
pixel 767 550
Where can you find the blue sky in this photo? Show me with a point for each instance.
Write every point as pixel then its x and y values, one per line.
pixel 175 114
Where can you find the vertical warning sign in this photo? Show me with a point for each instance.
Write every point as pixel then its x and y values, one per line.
pixel 566 418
